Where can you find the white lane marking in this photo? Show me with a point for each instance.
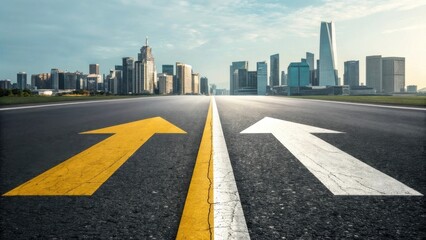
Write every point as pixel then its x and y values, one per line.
pixel 69 103
pixel 229 220
pixel 364 104
pixel 340 172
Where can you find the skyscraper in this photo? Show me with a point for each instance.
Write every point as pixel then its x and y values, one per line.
pixel 127 75
pixel 21 79
pixel 351 74
pixel 262 77
pixel 145 74
pixel 310 59
pixel 54 74
pixel 196 83
pixel 94 69
pixel 232 81
pixel 275 70
pixel 183 78
pixel 373 72
pixel 393 74
pixel 328 55
pixel 204 86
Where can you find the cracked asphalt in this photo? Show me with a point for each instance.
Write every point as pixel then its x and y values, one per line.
pixel 281 199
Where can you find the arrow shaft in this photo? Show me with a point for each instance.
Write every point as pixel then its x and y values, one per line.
pixel 85 172
pixel 340 172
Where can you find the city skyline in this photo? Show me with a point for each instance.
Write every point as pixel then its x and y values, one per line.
pixel 207 35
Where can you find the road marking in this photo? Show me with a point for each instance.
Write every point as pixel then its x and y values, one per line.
pixel 340 172
pixel 197 217
pixel 213 208
pixel 229 220
pixel 365 104
pixel 85 172
pixel 70 103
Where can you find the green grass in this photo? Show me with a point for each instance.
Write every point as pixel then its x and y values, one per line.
pixel 49 99
pixel 419 101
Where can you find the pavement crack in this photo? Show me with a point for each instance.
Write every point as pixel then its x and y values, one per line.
pixel 210 201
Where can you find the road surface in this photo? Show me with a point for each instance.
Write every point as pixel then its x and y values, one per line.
pixel 280 195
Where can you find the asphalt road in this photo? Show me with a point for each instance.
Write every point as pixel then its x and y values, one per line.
pixel 280 198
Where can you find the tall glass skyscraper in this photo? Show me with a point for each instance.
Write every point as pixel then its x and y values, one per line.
pixel 262 77
pixel 275 70
pixel 328 55
pixel 233 83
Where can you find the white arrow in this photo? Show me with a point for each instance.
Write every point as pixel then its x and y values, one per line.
pixel 340 172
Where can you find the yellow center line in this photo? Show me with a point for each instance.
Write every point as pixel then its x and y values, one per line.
pixel 197 217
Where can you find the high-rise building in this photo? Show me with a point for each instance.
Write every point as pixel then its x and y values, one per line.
pixel 5 84
pixel 310 59
pixel 328 55
pixel 393 75
pixel 168 69
pixel 54 74
pixel 274 70
pixel 94 68
pixel 252 79
pixel 283 78
pixel 21 79
pixel 262 77
pixel 351 74
pixel 165 83
pixel 183 78
pixel 298 74
pixel 127 75
pixel 70 80
pixel 204 86
pixel 232 81
pixel 196 83
pixel 144 72
pixel 373 72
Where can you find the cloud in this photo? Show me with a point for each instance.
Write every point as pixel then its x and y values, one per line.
pixel 403 29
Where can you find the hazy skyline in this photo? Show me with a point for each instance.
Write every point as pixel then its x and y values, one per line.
pixel 39 35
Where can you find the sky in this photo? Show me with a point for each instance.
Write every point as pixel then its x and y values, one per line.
pixel 36 36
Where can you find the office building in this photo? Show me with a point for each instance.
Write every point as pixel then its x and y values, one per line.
pixel 262 77
pixel 393 75
pixel 54 74
pixel 274 70
pixel 127 75
pixel 94 68
pixel 21 79
pixel 252 79
pixel 373 72
pixel 310 59
pixel 283 78
pixel 196 83
pixel 232 81
pixel 111 82
pixel 412 88
pixel 5 84
pixel 70 80
pixel 165 83
pixel 144 72
pixel 168 69
pixel 204 86
pixel 351 73
pixel 298 74
pixel 328 55
pixel 183 78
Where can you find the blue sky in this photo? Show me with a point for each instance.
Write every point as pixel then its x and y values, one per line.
pixel 36 36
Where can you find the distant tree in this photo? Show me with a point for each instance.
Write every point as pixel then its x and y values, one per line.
pixel 17 92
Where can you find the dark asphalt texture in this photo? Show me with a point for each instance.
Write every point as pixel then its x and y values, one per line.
pixel 281 199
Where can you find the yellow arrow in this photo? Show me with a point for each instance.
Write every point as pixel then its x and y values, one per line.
pixel 84 173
